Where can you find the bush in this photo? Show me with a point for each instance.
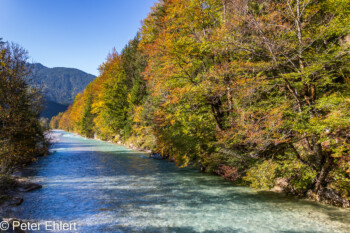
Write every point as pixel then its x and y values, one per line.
pixel 263 175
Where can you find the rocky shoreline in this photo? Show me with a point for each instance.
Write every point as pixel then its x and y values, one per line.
pixel 12 196
pixel 326 196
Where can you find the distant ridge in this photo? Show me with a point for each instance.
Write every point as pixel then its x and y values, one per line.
pixel 53 108
pixel 60 86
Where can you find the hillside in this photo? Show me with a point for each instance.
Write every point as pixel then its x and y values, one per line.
pixel 60 86
pixel 53 108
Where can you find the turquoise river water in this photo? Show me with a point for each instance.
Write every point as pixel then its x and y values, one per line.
pixel 104 187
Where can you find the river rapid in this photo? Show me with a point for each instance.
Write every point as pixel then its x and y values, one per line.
pixel 104 187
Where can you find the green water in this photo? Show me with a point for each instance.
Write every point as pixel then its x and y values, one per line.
pixel 104 187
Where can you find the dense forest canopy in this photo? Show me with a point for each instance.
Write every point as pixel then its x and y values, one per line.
pixel 254 90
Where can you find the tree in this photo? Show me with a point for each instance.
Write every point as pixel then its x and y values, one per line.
pixel 87 124
pixel 296 56
pixel 22 137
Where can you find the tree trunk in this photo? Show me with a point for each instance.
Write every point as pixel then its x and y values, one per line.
pixel 230 106
pixel 324 161
pixel 216 108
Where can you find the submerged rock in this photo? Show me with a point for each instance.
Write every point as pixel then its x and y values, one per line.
pixel 156 156
pixel 27 187
pixel 10 201
pixel 15 201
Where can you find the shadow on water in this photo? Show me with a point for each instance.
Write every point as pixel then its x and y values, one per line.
pixel 107 188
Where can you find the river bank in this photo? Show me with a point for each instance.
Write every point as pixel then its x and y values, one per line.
pixel 14 186
pixel 11 196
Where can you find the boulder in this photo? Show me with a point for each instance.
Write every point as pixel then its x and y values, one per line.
pixel 10 201
pixel 281 185
pixel 27 187
pixel 15 201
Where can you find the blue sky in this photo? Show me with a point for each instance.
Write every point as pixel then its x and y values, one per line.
pixel 71 33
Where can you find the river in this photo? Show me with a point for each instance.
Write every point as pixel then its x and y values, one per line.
pixel 104 187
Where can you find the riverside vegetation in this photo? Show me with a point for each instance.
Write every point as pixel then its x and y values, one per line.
pixel 256 91
pixel 22 136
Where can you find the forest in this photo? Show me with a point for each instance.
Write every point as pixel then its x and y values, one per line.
pixel 255 91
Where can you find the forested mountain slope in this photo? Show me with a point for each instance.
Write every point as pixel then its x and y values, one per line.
pixel 60 86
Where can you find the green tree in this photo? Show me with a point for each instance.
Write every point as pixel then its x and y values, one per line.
pixel 87 124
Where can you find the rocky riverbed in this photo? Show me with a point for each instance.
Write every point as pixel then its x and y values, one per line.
pixel 11 196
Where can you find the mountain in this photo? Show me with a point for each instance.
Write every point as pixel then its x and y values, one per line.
pixel 60 86
pixel 53 108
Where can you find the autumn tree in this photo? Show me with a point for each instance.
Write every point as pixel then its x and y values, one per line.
pixel 22 138
pixel 295 52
